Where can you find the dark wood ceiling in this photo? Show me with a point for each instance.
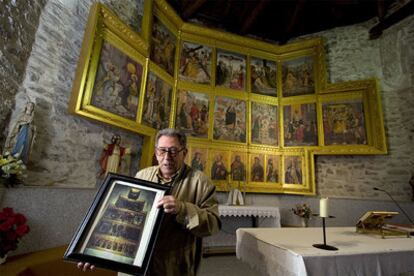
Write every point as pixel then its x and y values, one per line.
pixel 279 21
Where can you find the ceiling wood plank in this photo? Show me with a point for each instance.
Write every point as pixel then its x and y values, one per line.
pixel 254 15
pixel 193 8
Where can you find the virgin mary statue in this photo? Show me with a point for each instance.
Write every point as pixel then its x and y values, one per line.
pixel 21 137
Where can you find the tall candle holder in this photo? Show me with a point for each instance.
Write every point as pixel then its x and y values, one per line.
pixel 325 246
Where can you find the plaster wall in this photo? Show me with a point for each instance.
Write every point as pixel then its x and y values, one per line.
pixel 67 148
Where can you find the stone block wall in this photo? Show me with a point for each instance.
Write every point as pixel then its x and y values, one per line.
pixel 18 25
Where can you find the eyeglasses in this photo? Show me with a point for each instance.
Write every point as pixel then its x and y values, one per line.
pixel 172 151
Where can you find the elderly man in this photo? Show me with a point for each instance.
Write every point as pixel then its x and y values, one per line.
pixel 191 209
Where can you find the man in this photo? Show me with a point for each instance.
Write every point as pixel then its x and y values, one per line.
pixel 191 209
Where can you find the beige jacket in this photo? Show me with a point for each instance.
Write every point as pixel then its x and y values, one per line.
pixel 178 248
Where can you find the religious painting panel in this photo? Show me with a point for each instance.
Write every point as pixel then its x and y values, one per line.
pixel 117 82
pixel 299 125
pixel 195 63
pixel 272 168
pixel 230 70
pixel 163 45
pixel 157 102
pixel 238 166
pixel 298 77
pixel 199 157
pixel 121 226
pixel 257 173
pixel 264 124
pixel 229 119
pixel 293 170
pixel 219 167
pixel 344 123
pixel 263 76
pixel 192 113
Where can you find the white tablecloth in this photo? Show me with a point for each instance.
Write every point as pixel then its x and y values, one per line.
pixel 289 251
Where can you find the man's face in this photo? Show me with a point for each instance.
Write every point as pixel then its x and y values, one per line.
pixel 168 163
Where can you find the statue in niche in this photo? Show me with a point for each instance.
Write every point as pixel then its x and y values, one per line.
pixel 115 158
pixel 21 137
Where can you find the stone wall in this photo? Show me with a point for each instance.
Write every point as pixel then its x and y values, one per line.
pixel 67 148
pixel 390 59
pixel 18 24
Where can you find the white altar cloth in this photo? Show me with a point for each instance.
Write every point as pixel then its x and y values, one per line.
pixel 252 211
pixel 289 251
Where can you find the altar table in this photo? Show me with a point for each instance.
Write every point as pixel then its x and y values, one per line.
pixel 232 218
pixel 289 251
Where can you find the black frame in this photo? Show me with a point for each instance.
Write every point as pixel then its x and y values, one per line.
pixel 105 235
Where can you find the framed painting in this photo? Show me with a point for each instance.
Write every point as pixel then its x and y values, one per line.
pixel 121 227
pixel 230 70
pixel 199 157
pixel 219 168
pixel 238 166
pixel 229 119
pixel 117 82
pixel 344 123
pixel 195 63
pixel 163 46
pixel 192 113
pixel 157 102
pixel 264 124
pixel 257 173
pixel 272 168
pixel 263 76
pixel 293 170
pixel 298 77
pixel 299 125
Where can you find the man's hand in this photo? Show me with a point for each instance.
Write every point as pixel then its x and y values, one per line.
pixel 170 204
pixel 85 266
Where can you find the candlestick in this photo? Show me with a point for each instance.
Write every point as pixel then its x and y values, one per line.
pixel 323 208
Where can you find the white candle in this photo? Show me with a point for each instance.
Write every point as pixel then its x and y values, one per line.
pixel 323 208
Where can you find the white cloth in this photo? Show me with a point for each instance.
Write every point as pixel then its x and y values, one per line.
pixel 289 251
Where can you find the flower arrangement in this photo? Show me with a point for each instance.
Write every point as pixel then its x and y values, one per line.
pixel 11 169
pixel 12 228
pixel 302 210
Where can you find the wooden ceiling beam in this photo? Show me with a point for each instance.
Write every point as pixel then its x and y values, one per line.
pixel 389 20
pixel 251 19
pixel 193 8
pixel 297 13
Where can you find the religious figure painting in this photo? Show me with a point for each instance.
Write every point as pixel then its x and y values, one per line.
pixel 298 77
pixel 163 46
pixel 344 123
pixel 192 113
pixel 293 170
pixel 264 124
pixel 272 168
pixel 229 119
pixel 195 63
pixel 238 166
pixel 219 166
pixel 157 104
pixel 199 157
pixel 257 168
pixel 231 70
pixel 263 76
pixel 299 122
pixel 117 83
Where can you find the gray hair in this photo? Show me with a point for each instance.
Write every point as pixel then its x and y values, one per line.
pixel 171 132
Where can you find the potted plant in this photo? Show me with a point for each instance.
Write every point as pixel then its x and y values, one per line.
pixel 11 169
pixel 303 211
pixel 12 228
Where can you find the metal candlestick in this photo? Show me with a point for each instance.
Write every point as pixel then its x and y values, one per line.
pixel 324 245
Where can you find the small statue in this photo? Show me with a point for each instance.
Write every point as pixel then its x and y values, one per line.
pixel 115 158
pixel 412 185
pixel 21 137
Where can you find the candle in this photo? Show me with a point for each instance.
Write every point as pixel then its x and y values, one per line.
pixel 323 208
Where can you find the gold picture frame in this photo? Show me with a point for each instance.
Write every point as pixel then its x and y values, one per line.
pixel 290 80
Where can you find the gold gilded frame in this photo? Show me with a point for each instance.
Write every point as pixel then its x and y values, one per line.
pixel 304 60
